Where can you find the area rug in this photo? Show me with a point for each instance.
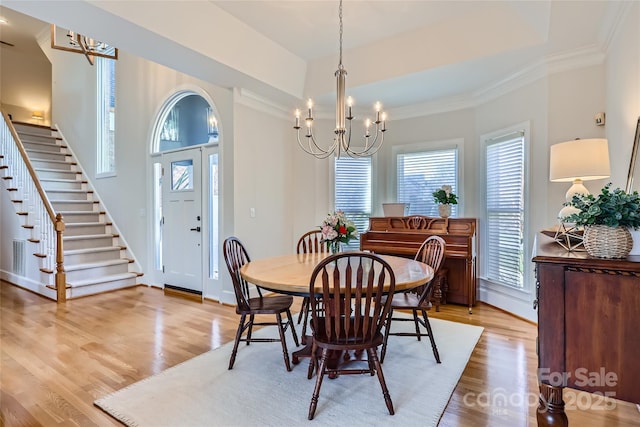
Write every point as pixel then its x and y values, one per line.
pixel 259 391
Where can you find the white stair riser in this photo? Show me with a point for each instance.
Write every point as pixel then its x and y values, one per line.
pixel 61 174
pixel 87 243
pixel 61 185
pixel 72 205
pixel 74 218
pixel 45 156
pixel 38 136
pixel 66 195
pixel 73 230
pixel 76 292
pixel 41 145
pixel 92 273
pixel 86 257
pixel 50 164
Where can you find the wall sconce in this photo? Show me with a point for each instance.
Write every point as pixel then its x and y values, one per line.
pixel 37 115
pixel 212 126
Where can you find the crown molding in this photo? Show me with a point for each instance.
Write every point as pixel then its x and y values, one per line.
pixel 613 22
pixel 587 56
pixel 252 100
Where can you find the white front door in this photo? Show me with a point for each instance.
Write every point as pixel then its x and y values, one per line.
pixel 182 220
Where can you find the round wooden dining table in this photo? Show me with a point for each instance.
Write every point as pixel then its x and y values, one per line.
pixel 290 274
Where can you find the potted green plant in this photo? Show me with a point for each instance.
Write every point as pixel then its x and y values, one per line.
pixel 607 219
pixel 445 198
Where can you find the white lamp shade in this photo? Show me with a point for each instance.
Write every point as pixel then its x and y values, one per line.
pixel 584 159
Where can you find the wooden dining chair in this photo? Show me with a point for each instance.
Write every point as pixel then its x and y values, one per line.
pixel 309 243
pixel 235 256
pixel 351 286
pixel 431 252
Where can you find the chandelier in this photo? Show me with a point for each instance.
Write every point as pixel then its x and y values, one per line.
pixel 87 46
pixel 373 137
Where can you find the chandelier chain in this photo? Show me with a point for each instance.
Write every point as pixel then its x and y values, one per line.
pixel 340 15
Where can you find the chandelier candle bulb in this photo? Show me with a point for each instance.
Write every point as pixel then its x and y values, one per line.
pixel 349 104
pixel 309 106
pixel 297 119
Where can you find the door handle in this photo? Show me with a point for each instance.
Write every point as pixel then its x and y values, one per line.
pixel 196 229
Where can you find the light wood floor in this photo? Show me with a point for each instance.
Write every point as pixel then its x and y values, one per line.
pixel 57 359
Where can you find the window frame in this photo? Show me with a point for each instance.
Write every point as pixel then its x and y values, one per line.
pixel 527 273
pixel 372 189
pixel 420 147
pixel 105 150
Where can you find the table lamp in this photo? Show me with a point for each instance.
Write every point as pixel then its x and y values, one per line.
pixel 578 161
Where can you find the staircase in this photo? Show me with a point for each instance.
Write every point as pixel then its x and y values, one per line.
pixel 95 260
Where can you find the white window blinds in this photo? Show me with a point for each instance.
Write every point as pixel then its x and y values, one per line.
pixel 353 192
pixel 420 174
pixel 505 210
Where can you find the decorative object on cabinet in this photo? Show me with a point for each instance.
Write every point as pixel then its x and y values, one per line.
pixel 607 219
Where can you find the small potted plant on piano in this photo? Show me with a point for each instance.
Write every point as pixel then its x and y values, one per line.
pixel 445 197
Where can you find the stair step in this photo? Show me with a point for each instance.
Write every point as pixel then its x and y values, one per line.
pixel 47 155
pixel 74 205
pixel 96 270
pixel 74 217
pixel 71 194
pixel 90 250
pixel 85 228
pixel 53 165
pixel 37 152
pixel 87 241
pixel 92 255
pixel 57 173
pixel 22 132
pixel 47 146
pixel 103 279
pixel 62 184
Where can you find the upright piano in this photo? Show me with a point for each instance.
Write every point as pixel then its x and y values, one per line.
pixel 403 236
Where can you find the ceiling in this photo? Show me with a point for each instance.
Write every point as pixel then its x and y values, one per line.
pixel 404 53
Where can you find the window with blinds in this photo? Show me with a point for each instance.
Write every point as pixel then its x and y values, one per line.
pixel 106 85
pixel 419 174
pixel 505 210
pixel 353 192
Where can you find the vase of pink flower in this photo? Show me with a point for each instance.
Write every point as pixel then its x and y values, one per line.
pixel 336 230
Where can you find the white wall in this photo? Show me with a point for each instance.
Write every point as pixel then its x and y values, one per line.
pixel 622 87
pixel 25 85
pixel 264 182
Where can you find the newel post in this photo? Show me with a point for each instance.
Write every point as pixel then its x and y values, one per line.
pixel 61 276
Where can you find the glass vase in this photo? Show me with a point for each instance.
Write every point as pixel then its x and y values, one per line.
pixel 335 247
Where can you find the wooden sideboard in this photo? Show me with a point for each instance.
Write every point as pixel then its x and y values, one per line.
pixel 404 235
pixel 588 321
